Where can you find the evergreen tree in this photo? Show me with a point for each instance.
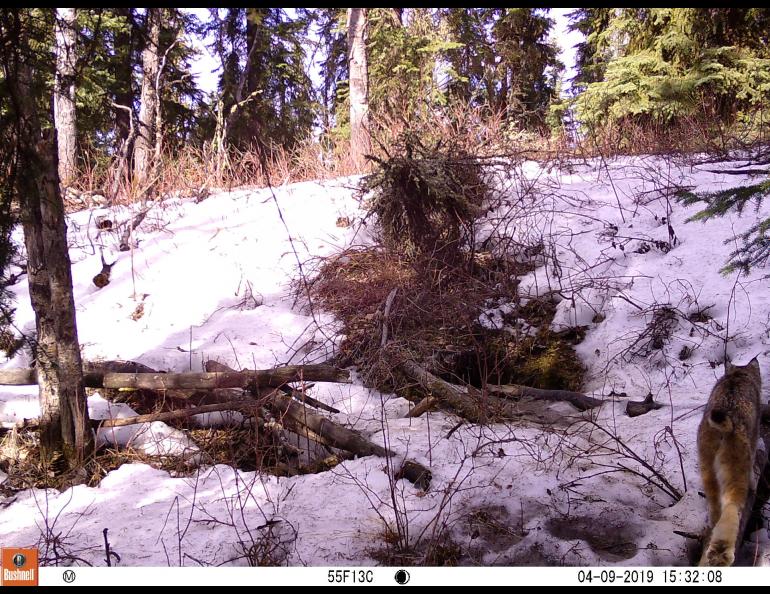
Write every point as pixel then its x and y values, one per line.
pixel 33 181
pixel 754 248
pixel 595 50
pixel 263 52
pixel 405 48
pixel 332 34
pixel 109 58
pixel 670 63
pixel 506 61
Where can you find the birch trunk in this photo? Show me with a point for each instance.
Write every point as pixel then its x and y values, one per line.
pixel 64 94
pixel 360 141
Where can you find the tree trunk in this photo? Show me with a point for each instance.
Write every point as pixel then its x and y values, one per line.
pixel 64 424
pixel 44 347
pixel 144 146
pixel 124 94
pixel 360 141
pixel 64 94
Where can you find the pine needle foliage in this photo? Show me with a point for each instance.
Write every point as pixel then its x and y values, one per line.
pixel 754 243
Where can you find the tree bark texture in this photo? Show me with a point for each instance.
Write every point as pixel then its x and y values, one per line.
pixel 144 145
pixel 64 94
pixel 64 422
pixel 360 141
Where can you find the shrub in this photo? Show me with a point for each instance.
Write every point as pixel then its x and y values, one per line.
pixel 426 198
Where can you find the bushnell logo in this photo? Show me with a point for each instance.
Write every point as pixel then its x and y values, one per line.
pixel 19 567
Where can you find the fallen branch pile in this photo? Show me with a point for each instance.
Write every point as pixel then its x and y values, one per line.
pixel 263 391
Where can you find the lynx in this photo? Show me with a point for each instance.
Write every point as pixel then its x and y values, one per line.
pixel 727 442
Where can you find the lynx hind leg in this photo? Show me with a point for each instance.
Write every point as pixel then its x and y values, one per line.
pixel 711 489
pixel 720 551
pixel 708 446
pixel 733 475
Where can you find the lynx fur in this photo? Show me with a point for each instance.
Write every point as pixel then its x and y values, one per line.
pixel 727 442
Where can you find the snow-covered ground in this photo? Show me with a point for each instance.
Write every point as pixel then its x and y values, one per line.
pixel 212 280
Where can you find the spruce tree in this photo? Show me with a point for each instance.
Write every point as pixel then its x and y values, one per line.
pixel 668 64
pixel 754 244
pixel 505 61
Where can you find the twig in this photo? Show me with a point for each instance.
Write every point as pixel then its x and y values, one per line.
pixel 125 240
pixel 386 315
pixel 108 553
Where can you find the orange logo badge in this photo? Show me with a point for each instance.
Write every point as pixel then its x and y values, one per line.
pixel 19 567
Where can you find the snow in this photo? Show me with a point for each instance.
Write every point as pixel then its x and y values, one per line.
pixel 213 279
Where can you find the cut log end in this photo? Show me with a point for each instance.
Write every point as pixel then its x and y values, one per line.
pixel 416 474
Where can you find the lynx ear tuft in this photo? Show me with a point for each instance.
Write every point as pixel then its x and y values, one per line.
pixel 754 364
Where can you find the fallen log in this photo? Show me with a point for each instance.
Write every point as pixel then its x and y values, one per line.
pixel 635 408
pixel 194 397
pixel 117 366
pixel 297 418
pixel 216 366
pixel 301 396
pixel 738 171
pixel 464 400
pixel 244 405
pixel 577 399
pixel 292 414
pixel 422 407
pixel 416 474
pixel 99 378
pixel 201 397
pixel 477 407
pixel 18 377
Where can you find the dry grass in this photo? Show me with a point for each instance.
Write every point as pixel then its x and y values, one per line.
pixel 247 448
pixel 434 319
pixel 441 551
pixel 196 171
pixel 702 132
pixel 471 129
pixel 20 460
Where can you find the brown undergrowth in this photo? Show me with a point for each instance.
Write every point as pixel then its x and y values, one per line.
pixel 425 294
pixel 435 319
